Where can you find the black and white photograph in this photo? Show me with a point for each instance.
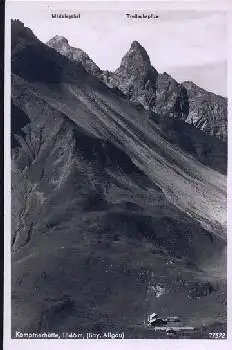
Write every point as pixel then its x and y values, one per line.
pixel 118 171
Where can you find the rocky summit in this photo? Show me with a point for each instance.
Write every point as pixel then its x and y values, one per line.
pixel 136 77
pixel 61 45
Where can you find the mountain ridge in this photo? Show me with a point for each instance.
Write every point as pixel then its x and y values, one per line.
pixel 160 93
pixel 75 54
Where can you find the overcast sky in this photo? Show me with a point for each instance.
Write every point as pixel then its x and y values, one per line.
pixel 191 45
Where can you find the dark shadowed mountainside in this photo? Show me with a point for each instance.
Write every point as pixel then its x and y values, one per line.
pixel 106 210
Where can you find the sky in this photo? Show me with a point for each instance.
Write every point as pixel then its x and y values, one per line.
pixel 188 44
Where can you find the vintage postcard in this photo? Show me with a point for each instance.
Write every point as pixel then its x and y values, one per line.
pixel 116 164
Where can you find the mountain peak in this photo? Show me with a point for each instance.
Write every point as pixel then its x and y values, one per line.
pixel 136 78
pixel 58 39
pixel 61 45
pixel 136 45
pixel 137 50
pixel 135 59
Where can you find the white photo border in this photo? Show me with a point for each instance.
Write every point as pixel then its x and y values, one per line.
pixel 129 344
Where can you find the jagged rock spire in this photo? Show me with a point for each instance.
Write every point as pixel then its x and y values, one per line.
pixel 135 58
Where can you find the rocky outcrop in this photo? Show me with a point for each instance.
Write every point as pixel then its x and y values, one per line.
pixel 163 95
pixel 141 83
pixel 207 111
pixel 136 77
pixel 61 45
pixel 159 93
pixel 171 98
